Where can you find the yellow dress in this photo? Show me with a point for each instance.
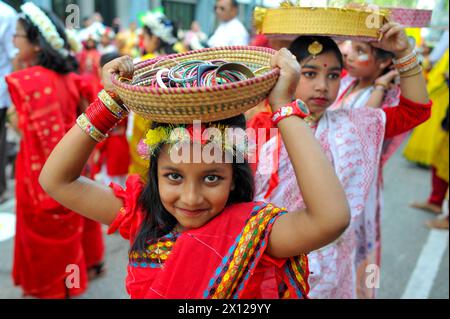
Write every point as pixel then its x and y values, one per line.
pixel 426 138
pixel 140 127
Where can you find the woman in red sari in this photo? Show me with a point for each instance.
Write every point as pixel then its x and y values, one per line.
pixel 193 228
pixel 50 239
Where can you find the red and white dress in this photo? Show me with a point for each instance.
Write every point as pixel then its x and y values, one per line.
pixel 353 141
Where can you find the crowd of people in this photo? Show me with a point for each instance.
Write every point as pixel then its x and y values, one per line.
pixel 364 100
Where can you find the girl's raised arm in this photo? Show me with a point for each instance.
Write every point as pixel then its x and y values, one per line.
pixel 412 82
pixel 61 176
pixel 327 214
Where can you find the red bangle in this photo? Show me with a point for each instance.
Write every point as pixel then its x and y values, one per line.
pixel 101 117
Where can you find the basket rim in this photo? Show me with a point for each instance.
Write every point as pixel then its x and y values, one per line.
pixel 142 89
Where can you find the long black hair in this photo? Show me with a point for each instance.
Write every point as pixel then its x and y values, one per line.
pixel 48 57
pixel 158 221
pixel 300 46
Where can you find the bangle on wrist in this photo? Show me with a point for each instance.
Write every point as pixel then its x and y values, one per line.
pixel 100 117
pixel 407 63
pixel 118 110
pixel 87 127
pixel 385 86
pixel 405 57
pixel 379 87
pixel 416 71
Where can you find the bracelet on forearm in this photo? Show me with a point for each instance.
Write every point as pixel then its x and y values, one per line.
pixel 405 58
pixel 379 87
pixel 412 72
pixel 385 86
pixel 87 127
pixel 408 63
pixel 100 116
pixel 118 110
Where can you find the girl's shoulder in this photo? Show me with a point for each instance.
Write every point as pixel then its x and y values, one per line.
pixel 34 74
pixel 362 117
pixel 250 210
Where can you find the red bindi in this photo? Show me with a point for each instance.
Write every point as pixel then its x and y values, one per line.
pixel 325 65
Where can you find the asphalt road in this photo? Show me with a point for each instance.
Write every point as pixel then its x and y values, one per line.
pixel 415 260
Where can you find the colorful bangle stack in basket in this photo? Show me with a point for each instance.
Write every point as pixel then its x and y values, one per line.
pixel 409 65
pixel 102 116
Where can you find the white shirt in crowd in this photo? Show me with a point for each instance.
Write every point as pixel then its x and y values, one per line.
pixel 232 32
pixel 8 19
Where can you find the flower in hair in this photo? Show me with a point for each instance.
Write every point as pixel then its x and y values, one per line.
pixel 156 136
pixel 45 26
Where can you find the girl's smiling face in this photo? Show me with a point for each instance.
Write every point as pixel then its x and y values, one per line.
pixel 319 81
pixel 193 193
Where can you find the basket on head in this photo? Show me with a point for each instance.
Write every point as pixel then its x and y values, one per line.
pixel 291 21
pixel 208 104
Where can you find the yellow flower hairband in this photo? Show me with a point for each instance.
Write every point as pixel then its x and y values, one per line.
pixel 233 140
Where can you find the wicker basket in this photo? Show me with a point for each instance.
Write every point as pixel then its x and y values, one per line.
pixel 335 22
pixel 208 104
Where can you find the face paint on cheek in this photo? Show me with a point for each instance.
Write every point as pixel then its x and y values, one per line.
pixel 363 59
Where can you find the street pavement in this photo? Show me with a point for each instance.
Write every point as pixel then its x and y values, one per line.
pixel 415 260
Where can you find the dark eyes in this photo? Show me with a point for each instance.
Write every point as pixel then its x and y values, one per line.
pixel 309 74
pixel 331 76
pixel 174 177
pixel 210 179
pixel 334 76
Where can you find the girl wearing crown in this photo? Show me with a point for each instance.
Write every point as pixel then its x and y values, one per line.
pixel 47 96
pixel 193 228
pixel 352 140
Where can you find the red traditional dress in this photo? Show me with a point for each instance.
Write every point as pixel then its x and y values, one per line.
pixel 352 140
pixel 223 259
pixel 112 157
pixel 49 237
pixel 90 69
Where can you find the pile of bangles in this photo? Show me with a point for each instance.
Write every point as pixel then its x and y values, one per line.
pixel 196 73
pixel 102 116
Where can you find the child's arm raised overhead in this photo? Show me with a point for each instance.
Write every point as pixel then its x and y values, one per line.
pixel 327 214
pixel 61 176
pixel 412 83
pixel 415 106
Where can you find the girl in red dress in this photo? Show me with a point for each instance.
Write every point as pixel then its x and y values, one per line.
pixel 193 228
pixel 51 242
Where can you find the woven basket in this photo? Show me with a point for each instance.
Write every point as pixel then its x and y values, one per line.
pixel 334 22
pixel 208 104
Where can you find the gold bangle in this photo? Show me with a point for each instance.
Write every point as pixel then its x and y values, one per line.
pixel 380 87
pixel 87 127
pixel 411 73
pixel 385 86
pixel 116 110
